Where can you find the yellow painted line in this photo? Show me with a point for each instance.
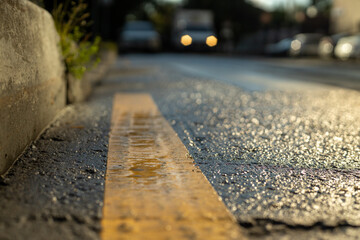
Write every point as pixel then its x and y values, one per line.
pixel 153 190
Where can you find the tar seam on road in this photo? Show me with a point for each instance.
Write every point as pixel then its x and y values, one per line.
pixel 153 190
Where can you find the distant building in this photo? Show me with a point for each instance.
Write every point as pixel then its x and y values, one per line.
pixel 345 16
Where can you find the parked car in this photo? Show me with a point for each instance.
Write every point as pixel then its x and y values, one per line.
pixel 139 35
pixel 328 43
pixel 193 29
pixel 198 38
pixel 348 47
pixel 305 44
pixel 281 48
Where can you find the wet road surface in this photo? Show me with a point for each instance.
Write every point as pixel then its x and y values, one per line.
pixel 280 148
pixel 153 190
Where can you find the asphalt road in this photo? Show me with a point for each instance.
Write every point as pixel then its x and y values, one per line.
pixel 278 139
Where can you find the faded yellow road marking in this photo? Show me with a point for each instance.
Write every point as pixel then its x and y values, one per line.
pixel 153 190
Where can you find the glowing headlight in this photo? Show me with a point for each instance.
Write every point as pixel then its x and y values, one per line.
pixel 346 48
pixel 211 41
pixel 186 40
pixel 296 45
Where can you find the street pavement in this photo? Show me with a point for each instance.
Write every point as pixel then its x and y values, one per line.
pixel 278 139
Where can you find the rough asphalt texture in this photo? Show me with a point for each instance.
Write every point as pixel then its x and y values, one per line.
pixel 286 163
pixel 55 190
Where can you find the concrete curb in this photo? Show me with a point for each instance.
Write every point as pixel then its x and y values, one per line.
pixel 33 85
pixel 32 79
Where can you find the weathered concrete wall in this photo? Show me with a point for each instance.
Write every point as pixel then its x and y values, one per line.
pixel 32 81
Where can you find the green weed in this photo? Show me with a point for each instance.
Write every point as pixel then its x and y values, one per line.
pixel 71 21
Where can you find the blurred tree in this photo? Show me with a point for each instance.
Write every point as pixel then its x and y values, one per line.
pixel 162 18
pixel 298 16
pixel 160 13
pixel 107 15
pixel 318 19
pixel 279 18
pixel 119 10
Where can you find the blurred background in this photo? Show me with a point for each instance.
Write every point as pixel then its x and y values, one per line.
pixel 322 28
